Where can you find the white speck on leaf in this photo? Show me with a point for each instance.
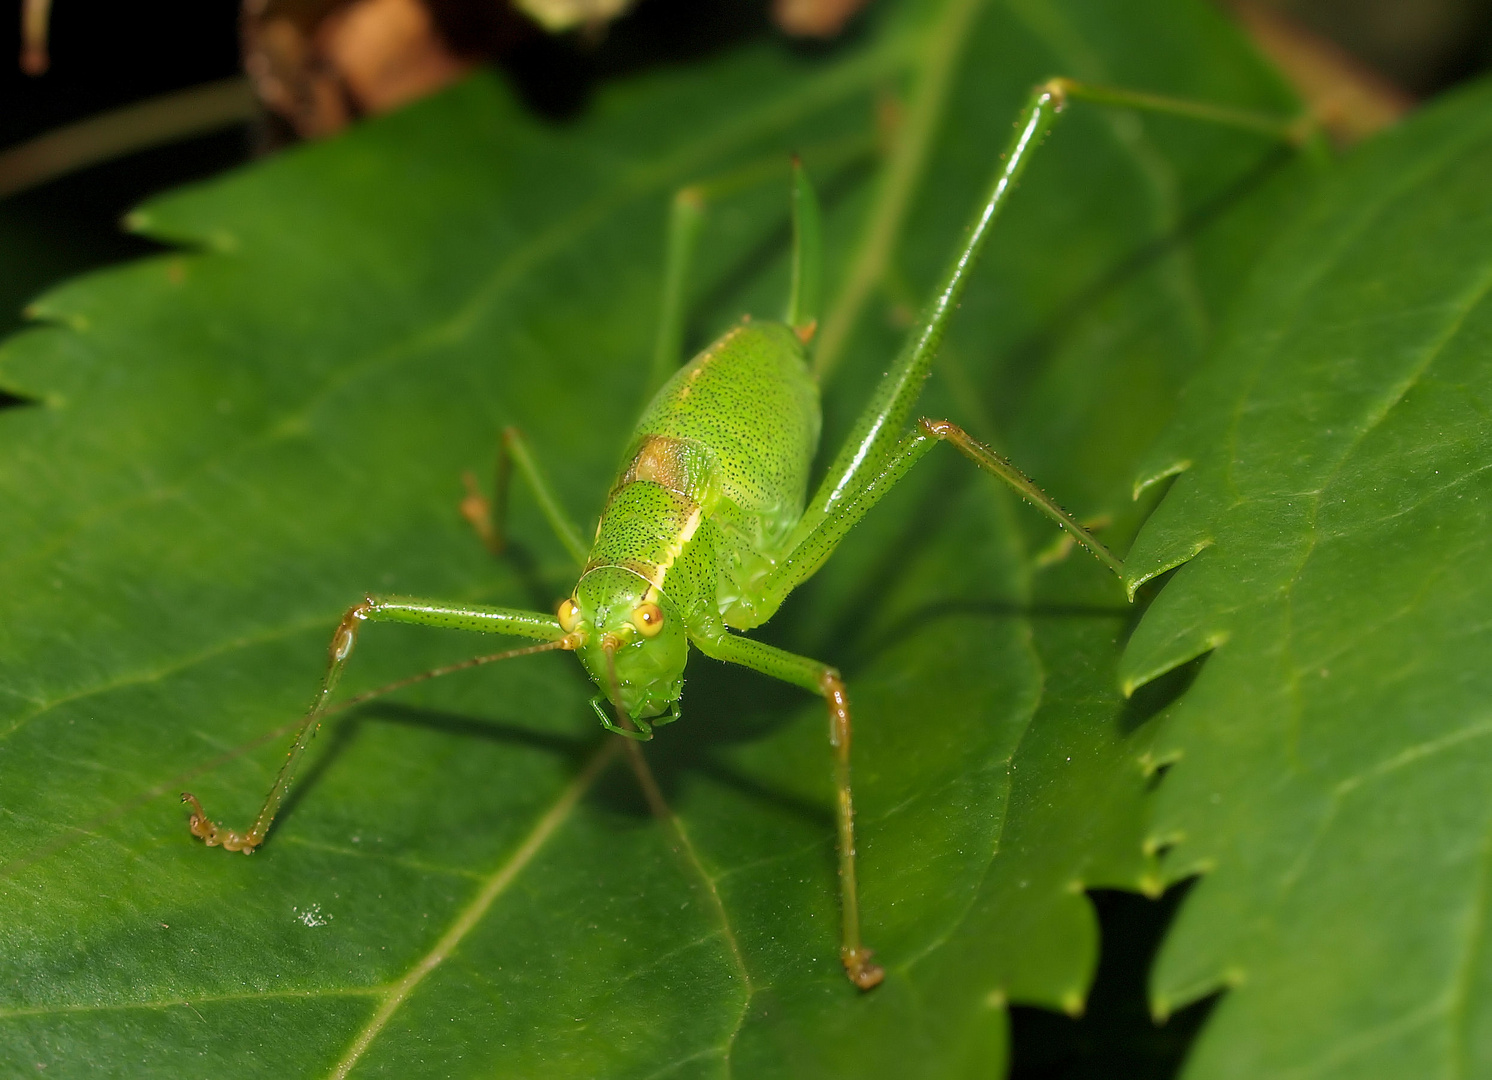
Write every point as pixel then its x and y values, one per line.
pixel 312 916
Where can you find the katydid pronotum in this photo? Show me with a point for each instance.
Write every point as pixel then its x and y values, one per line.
pixel 708 527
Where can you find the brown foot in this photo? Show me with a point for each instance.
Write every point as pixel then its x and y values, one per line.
pixel 208 832
pixel 476 508
pixel 861 971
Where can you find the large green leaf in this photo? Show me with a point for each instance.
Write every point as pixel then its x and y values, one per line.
pixel 230 444
pixel 1332 756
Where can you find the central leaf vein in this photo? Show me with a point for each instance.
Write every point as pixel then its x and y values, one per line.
pixel 496 883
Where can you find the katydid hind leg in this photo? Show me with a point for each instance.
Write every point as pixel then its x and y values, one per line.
pixel 685 222
pixel 998 466
pixel 820 679
pixel 813 549
pixel 873 438
pixel 527 624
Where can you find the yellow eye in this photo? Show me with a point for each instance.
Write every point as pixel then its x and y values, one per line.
pixel 648 618
pixel 569 615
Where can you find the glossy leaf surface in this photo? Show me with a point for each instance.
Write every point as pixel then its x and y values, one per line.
pixel 1331 757
pixel 231 443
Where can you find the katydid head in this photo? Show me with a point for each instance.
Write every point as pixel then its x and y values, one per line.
pixel 635 647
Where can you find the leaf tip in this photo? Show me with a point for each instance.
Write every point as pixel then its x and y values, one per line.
pixel 1072 1003
pixel 1149 480
pixel 1144 661
pixel 1151 762
pixel 42 311
pixel 1134 582
pixel 1156 844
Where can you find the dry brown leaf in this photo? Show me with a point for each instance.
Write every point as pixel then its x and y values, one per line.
pixel 320 64
pixel 387 53
pixel 814 18
pixel 1349 99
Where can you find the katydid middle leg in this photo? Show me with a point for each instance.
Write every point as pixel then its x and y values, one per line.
pixel 489 516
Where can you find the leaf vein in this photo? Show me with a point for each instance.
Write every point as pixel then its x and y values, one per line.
pixel 468 918
pixel 206 999
pixel 141 678
pixel 1370 212
pixel 1476 936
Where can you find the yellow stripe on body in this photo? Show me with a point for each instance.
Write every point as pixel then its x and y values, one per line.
pixel 655 573
pixel 691 525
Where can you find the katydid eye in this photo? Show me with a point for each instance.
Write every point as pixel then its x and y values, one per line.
pixel 648 618
pixel 569 615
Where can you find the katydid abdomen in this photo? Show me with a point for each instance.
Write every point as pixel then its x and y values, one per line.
pixel 731 437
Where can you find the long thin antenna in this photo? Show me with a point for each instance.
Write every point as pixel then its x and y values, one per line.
pixel 449 669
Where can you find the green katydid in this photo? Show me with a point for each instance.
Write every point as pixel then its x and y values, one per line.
pixel 708 527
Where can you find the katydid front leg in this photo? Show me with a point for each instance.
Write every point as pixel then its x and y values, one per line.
pixel 485 620
pixel 821 679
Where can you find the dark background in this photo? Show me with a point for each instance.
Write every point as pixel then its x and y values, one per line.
pixel 109 54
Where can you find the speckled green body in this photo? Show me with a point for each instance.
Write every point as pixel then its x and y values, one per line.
pixel 720 461
pixel 712 484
